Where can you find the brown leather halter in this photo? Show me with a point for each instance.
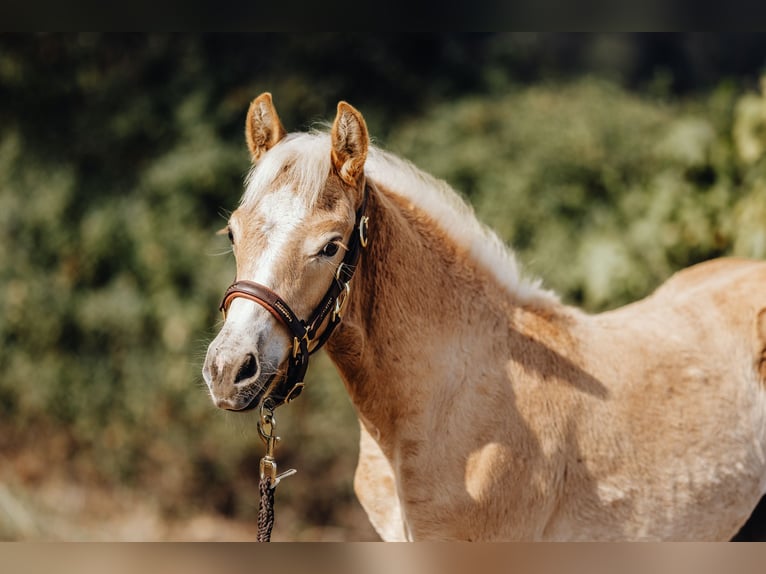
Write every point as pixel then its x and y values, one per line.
pixel 304 333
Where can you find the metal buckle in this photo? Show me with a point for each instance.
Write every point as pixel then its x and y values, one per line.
pixel 293 394
pixel 363 224
pixel 340 302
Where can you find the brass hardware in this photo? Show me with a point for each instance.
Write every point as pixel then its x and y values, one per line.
pixel 269 468
pixel 337 271
pixel 292 394
pixel 266 427
pixel 225 307
pixel 296 346
pixel 340 302
pixel 363 224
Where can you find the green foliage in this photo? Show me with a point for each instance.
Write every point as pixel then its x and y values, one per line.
pixel 602 193
pixel 119 159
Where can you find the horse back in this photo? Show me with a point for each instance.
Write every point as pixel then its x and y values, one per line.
pixel 731 291
pixel 716 299
pixel 727 275
pixel 685 372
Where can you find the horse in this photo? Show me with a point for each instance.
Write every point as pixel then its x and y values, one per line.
pixel 489 410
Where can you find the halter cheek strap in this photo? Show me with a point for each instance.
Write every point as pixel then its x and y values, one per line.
pixel 329 311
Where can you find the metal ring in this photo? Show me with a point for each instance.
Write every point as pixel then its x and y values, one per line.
pixel 337 271
pixel 340 302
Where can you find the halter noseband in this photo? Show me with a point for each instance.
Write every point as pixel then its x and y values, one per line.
pixel 305 339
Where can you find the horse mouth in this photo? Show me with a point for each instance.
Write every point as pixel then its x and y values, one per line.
pixel 248 407
pixel 256 400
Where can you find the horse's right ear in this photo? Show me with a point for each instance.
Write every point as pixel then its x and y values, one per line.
pixel 263 130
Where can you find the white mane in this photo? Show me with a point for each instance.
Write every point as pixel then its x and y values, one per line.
pixel 434 196
pixel 457 219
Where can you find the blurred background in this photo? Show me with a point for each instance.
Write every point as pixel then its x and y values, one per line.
pixel 608 161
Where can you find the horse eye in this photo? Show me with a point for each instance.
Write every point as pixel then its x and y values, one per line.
pixel 330 249
pixel 231 236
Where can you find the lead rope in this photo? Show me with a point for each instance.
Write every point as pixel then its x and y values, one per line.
pixel 269 478
pixel 265 510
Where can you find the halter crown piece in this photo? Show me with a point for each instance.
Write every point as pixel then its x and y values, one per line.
pixel 305 339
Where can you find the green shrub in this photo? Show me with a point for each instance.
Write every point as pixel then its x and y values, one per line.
pixel 601 192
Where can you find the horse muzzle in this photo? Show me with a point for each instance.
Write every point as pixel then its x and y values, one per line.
pixel 237 381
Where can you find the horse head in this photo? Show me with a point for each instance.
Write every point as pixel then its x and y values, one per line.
pixel 295 237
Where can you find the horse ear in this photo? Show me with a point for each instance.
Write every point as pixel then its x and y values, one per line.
pixel 349 143
pixel 263 130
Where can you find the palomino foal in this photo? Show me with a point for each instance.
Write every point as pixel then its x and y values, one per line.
pixel 489 410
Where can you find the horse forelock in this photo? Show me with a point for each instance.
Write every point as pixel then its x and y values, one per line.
pixel 301 162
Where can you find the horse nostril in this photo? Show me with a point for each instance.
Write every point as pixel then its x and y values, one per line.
pixel 247 370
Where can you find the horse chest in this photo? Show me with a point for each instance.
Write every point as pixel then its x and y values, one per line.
pixel 482 498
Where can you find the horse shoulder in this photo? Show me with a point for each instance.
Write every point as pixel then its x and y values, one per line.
pixel 375 487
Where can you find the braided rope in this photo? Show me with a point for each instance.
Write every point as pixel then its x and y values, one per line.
pixel 265 510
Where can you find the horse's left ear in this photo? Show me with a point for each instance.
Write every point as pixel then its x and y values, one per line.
pixel 349 143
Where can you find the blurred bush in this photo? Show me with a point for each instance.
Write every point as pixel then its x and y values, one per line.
pixel 601 192
pixel 118 163
pixel 119 159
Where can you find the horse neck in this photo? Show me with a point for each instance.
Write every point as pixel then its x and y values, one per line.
pixel 423 316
